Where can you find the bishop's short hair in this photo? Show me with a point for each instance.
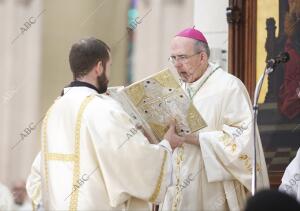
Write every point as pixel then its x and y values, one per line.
pixel 202 47
pixel 85 54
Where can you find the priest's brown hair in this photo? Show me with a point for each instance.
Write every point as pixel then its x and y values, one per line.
pixel 85 54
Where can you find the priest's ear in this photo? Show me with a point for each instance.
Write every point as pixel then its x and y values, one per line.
pixel 99 68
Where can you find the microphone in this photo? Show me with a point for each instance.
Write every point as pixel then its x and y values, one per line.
pixel 281 58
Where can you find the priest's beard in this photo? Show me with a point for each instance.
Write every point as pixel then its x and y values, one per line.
pixel 102 83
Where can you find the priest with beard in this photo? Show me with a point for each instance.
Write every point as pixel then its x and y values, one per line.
pixel 212 170
pixel 92 156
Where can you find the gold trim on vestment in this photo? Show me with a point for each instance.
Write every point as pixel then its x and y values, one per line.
pixel 37 192
pixel 178 195
pixel 247 163
pixel 67 157
pixel 61 157
pixel 45 148
pixel 76 170
pixel 33 206
pixel 228 142
pixel 159 181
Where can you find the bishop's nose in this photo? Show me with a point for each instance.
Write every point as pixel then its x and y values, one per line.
pixel 177 64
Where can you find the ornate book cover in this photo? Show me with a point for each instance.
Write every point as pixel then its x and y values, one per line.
pixel 154 101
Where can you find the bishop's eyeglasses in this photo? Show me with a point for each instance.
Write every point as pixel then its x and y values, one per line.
pixel 181 58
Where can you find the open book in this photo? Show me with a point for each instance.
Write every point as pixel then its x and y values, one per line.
pixel 154 101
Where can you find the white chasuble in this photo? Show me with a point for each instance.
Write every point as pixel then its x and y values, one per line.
pixel 290 182
pixel 217 174
pixel 93 158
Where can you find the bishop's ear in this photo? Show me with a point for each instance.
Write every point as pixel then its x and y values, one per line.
pixel 203 56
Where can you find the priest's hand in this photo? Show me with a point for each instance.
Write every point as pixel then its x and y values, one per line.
pixel 146 134
pixel 172 137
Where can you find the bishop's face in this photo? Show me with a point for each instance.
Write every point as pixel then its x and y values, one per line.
pixel 188 62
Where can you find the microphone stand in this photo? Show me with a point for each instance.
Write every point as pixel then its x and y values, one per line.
pixel 269 69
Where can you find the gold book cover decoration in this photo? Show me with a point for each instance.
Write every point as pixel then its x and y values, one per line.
pixel 154 101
